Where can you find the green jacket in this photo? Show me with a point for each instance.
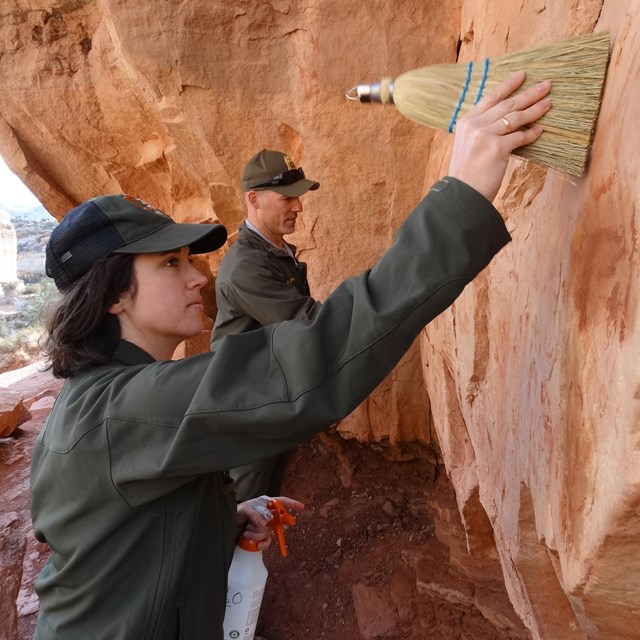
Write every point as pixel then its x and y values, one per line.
pixel 257 285
pixel 128 481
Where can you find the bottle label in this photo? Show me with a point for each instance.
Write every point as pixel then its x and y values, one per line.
pixel 241 618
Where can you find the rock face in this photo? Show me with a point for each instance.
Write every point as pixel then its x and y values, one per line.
pixel 530 381
pixel 22 557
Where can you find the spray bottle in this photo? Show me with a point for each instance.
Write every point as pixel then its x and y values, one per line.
pixel 248 576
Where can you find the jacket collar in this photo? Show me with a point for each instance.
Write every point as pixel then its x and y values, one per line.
pixel 247 236
pixel 130 354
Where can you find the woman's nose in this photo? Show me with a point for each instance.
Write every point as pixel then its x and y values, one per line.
pixel 198 278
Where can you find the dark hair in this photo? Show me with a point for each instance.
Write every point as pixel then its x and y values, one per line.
pixel 81 333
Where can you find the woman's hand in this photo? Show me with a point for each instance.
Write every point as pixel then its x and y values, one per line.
pixel 253 517
pixel 486 136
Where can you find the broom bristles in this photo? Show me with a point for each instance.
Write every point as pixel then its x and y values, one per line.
pixel 576 68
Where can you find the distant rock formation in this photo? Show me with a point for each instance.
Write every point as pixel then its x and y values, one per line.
pixel 33 234
pixel 8 249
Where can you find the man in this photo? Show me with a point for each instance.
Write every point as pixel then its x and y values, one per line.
pixel 260 281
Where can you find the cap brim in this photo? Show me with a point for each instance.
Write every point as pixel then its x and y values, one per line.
pixel 200 238
pixel 297 188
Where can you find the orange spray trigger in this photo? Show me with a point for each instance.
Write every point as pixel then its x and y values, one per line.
pixel 281 518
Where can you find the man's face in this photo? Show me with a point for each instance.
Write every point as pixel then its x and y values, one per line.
pixel 274 214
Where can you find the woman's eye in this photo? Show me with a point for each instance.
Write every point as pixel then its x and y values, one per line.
pixel 171 262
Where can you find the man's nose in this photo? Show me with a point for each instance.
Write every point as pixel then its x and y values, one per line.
pixel 296 205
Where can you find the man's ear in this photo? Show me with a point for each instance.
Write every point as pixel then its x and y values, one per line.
pixel 252 198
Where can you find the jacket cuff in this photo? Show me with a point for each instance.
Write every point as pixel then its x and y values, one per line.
pixel 462 198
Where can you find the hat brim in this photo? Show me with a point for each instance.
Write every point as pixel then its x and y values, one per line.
pixel 296 188
pixel 200 238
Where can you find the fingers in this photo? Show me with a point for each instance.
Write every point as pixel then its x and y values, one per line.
pixel 513 113
pixel 256 513
pixel 502 91
pixel 253 512
pixel 503 98
pixel 290 503
pixel 516 109
pixel 498 124
pixel 254 516
pixel 524 136
pixel 260 535
pixel 514 121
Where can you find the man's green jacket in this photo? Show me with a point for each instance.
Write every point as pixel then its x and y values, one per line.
pixel 259 284
pixel 128 475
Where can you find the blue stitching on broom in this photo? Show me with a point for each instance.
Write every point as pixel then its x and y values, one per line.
pixel 485 73
pixel 462 97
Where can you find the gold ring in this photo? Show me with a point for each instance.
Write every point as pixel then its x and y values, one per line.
pixel 507 123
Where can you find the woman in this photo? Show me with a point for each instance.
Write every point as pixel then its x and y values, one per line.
pixel 129 482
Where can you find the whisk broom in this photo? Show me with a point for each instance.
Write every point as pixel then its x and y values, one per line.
pixel 438 95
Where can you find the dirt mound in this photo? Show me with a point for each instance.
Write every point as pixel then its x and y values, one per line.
pixel 364 560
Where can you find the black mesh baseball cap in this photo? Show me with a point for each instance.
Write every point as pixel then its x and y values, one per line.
pixel 274 171
pixel 119 224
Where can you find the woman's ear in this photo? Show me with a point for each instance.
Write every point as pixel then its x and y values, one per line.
pixel 117 307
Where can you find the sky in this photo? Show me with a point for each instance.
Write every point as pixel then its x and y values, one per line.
pixel 12 190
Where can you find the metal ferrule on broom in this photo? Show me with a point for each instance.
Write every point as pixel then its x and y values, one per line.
pixel 381 92
pixel 437 96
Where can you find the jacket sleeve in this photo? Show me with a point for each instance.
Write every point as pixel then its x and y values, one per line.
pixel 266 390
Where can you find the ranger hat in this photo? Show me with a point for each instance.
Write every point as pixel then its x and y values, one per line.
pixel 274 171
pixel 119 224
